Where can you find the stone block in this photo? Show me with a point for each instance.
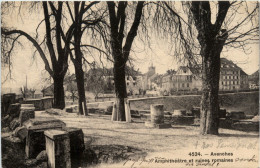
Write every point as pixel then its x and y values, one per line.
pixel 36 102
pixel 157 113
pixel 109 109
pixel 30 163
pixel 7 100
pixel 14 110
pixel 158 126
pixel 58 149
pixel 225 123
pixel 146 116
pixel 246 126
pixel 135 114
pixel 236 115
pixel 27 105
pixel 21 132
pixel 144 111
pixel 72 109
pixel 196 122
pixel 222 113
pixel 196 112
pixel 181 112
pixel 76 139
pixel 255 118
pixel 183 120
pixel 91 110
pixel 14 124
pixel 167 117
pixel 250 117
pixel 26 114
pixel 35 139
pixel 47 102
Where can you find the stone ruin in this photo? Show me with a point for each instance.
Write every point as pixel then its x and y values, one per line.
pixel 31 134
pixel 157 117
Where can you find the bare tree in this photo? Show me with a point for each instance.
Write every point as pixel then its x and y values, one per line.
pixel 57 50
pixel 228 29
pixel 81 22
pixel 95 81
pixel 121 42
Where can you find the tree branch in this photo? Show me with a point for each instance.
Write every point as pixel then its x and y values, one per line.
pixel 20 32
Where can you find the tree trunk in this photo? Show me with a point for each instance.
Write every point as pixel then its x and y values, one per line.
pixel 82 106
pixel 209 120
pixel 120 90
pixel 59 101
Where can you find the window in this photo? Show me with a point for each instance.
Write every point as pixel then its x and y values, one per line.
pixel 188 85
pixel 182 84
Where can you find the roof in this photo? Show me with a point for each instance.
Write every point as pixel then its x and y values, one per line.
pixel 255 73
pixel 242 72
pixel 183 68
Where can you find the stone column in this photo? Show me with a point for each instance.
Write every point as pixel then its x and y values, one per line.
pixel 157 113
pixel 58 149
pixel 114 113
pixel 157 117
pixel 127 110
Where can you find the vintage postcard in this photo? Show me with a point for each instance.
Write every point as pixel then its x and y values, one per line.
pixel 129 84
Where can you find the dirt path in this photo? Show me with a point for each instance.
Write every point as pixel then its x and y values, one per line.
pixel 170 144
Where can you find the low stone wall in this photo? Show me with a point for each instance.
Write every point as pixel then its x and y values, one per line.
pixel 247 102
pixel 40 104
pixel 47 102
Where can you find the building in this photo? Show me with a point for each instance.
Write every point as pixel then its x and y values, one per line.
pixel 133 84
pixel 232 77
pixel 167 81
pixel 149 78
pixel 181 80
pixel 253 80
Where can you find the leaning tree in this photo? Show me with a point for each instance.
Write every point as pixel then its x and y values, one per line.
pixel 207 27
pixel 57 52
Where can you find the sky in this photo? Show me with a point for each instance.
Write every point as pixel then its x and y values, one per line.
pixel 159 56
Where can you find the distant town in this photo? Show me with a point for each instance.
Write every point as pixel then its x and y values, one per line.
pixel 184 80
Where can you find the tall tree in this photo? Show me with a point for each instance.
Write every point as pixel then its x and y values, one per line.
pixel 213 33
pixel 57 50
pixel 85 17
pixel 212 39
pixel 121 43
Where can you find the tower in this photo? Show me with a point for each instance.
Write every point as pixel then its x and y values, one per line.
pixel 151 70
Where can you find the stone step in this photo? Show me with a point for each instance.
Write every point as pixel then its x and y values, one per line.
pixel 27 105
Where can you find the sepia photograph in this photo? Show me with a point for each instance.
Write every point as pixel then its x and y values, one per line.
pixel 129 84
